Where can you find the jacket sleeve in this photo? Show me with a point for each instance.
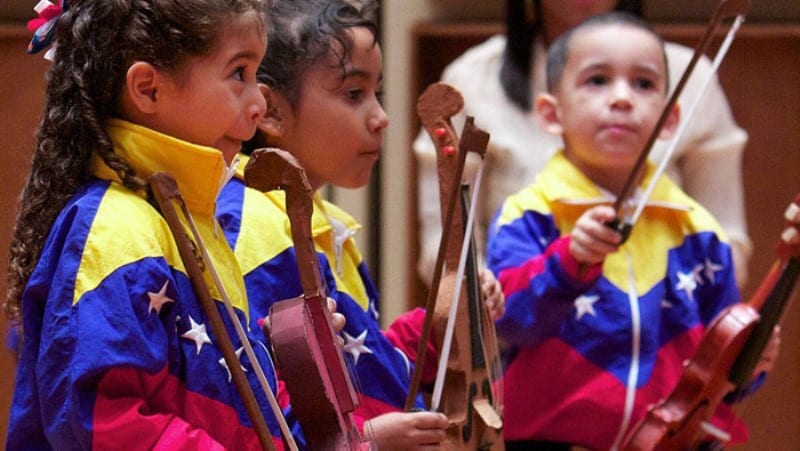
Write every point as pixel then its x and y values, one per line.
pixel 540 278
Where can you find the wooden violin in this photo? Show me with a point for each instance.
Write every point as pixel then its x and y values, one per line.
pixel 726 357
pixel 455 308
pixel 304 342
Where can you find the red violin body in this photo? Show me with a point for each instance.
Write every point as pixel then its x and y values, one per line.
pixel 304 342
pixel 678 422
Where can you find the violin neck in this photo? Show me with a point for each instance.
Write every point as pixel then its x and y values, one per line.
pixel 769 315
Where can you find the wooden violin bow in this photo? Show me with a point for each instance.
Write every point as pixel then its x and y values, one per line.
pixel 196 260
pixel 725 9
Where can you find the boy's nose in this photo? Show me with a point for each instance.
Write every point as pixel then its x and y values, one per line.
pixel 621 95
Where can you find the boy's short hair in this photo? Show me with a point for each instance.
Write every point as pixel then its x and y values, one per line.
pixel 558 52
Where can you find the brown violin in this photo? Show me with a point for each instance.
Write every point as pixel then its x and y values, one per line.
pixel 726 357
pixel 304 342
pixel 455 308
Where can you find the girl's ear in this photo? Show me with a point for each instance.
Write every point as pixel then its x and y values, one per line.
pixel 275 120
pixel 671 124
pixel 141 87
pixel 546 108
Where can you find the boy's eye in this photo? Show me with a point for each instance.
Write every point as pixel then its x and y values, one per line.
pixel 643 83
pixel 597 80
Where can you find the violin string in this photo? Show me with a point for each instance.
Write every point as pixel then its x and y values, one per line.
pixel 260 375
pixel 685 121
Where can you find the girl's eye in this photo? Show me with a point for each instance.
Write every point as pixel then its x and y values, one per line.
pixel 238 73
pixel 355 94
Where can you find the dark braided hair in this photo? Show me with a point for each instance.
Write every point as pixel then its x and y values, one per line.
pixel 523 24
pixel 97 40
pixel 303 33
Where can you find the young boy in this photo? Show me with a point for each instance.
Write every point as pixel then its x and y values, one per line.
pixel 599 328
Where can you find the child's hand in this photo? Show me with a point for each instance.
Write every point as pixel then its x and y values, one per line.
pixel 337 321
pixel 591 240
pixel 770 354
pixel 492 294
pixel 406 430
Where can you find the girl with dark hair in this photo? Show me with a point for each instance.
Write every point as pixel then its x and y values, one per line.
pixel 322 75
pixel 115 350
pixel 500 77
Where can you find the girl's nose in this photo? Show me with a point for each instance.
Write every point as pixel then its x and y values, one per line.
pixel 378 121
pixel 257 105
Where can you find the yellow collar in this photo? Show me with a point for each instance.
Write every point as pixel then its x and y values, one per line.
pixel 200 171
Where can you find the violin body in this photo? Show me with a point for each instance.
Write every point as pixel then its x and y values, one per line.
pixel 304 346
pixel 726 357
pixel 678 423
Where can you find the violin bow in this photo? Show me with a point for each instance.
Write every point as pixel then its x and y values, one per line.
pixel 447 341
pixel 304 342
pixel 725 9
pixel 196 260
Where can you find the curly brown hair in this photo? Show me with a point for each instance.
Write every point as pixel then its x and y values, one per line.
pixel 97 40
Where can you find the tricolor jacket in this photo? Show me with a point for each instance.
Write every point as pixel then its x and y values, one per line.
pixel 591 351
pixel 117 351
pixel 258 228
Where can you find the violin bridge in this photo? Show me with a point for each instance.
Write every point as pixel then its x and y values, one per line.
pixel 487 413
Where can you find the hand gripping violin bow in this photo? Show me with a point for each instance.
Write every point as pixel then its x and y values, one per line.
pixel 468 360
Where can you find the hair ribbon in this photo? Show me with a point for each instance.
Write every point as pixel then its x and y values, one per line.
pixel 44 26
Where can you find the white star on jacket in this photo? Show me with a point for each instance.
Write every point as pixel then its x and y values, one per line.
pixel 687 282
pixel 355 346
pixel 341 234
pixel 585 304
pixel 710 269
pixel 225 364
pixel 198 334
pixel 157 300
